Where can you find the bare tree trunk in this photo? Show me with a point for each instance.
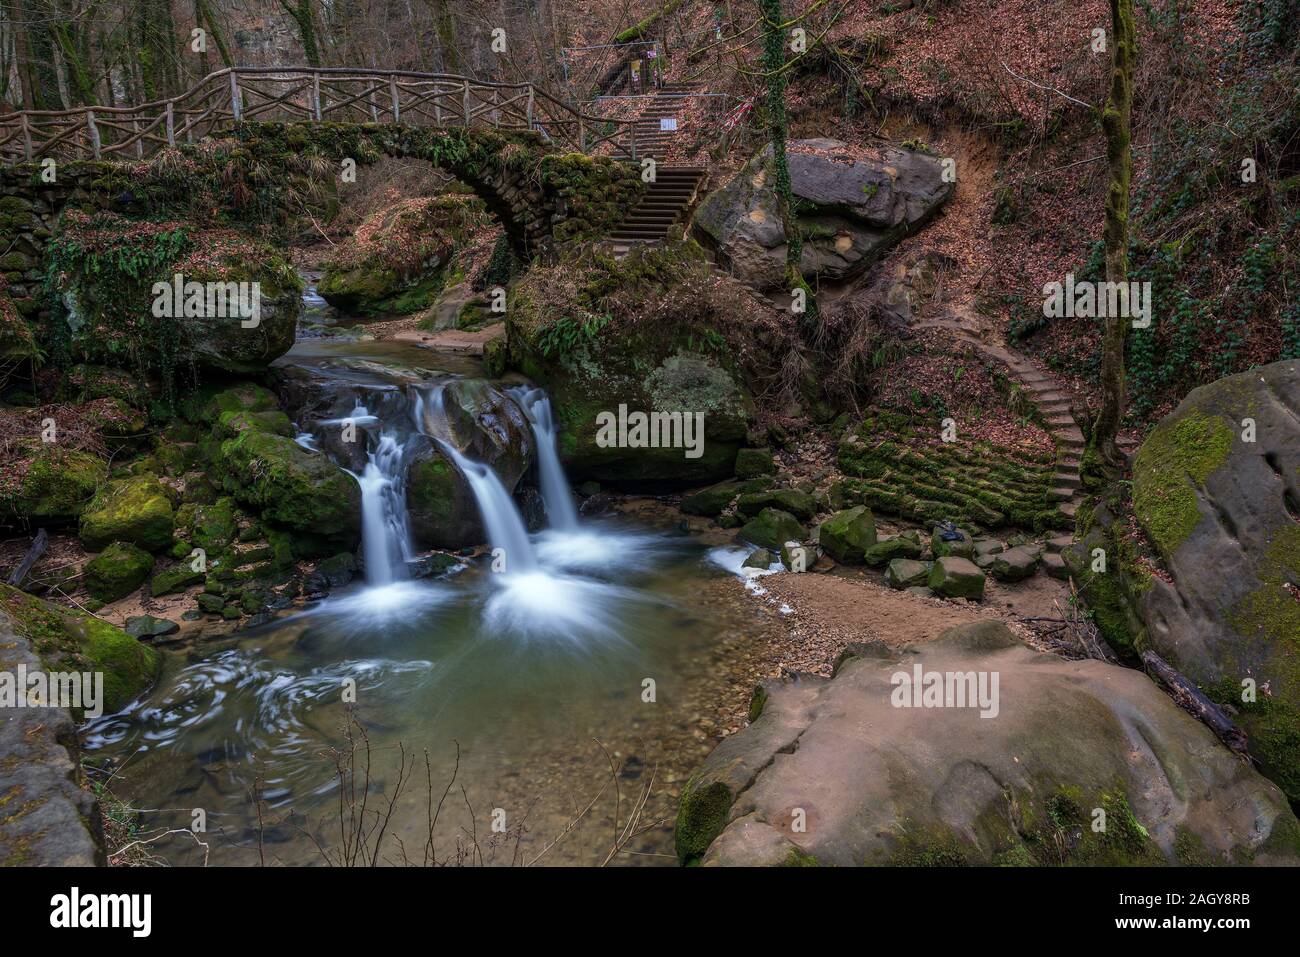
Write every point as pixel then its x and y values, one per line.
pixel 1116 121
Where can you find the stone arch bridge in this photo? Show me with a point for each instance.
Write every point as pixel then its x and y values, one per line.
pixel 550 173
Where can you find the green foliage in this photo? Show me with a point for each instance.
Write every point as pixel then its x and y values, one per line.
pixel 566 334
pixel 113 263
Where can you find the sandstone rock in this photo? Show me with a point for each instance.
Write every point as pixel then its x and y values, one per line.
pixel 847 535
pixel 1015 564
pixel 883 784
pixel 136 510
pixel 954 577
pixel 856 210
pixel 1225 515
pixel 906 573
pixel 751 463
pixel 117 571
pixel 962 547
pixel 772 528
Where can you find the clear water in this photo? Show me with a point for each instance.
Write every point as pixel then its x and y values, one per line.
pixel 542 697
pixel 533 676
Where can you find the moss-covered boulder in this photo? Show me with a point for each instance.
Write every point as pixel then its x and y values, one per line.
pixel 772 528
pixel 235 310
pixel 48 483
pixel 886 779
pixel 954 577
pixel 645 386
pixel 799 504
pixel 291 487
pixel 135 510
pixel 713 500
pixel 907 573
pixel 847 534
pixel 1216 487
pixel 751 463
pixel 177 578
pixel 69 641
pixel 117 571
pixel 440 506
pixel 887 548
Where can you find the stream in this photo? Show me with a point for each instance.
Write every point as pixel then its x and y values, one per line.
pixel 518 705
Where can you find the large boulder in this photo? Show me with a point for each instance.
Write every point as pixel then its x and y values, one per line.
pixel 137 510
pixel 772 528
pixel 847 535
pixel 47 483
pixel 69 641
pixel 117 571
pixel 646 390
pixel 854 208
pixel 262 468
pixel 875 774
pixel 1225 515
pixel 117 280
pixel 484 424
pixel 954 577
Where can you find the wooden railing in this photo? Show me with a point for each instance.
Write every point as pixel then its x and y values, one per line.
pixel 306 95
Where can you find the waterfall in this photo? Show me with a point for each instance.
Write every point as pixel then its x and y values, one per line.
pixel 555 485
pixel 505 526
pixel 385 530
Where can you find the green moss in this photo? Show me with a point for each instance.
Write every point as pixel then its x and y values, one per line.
pixel 135 510
pixel 701 816
pixel 799 858
pixel 117 571
pixel 66 640
pixel 1175 459
pixel 56 487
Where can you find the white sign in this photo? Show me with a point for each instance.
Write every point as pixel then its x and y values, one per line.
pixel 668 123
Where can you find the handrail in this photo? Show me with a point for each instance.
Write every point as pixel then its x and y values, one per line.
pixel 306 94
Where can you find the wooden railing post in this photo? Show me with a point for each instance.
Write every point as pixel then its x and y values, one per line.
pixel 315 95
pixel 464 100
pixel 139 144
pixel 171 124
pixel 392 90
pixel 582 134
pixel 236 107
pixel 94 132
pixel 27 139
pixel 531 92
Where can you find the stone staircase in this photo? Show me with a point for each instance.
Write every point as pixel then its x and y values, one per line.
pixel 661 207
pixel 1051 401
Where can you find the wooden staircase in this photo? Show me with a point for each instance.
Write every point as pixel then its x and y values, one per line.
pixel 651 138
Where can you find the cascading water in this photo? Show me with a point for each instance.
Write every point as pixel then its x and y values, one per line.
pixel 555 485
pixel 501 517
pixel 385 529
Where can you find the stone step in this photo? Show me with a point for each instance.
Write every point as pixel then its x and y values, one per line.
pixel 1059 544
pixel 1060 494
pixel 1054 565
pixel 1067 480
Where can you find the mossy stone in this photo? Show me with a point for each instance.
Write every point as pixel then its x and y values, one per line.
pixel 136 510
pixel 66 640
pixel 847 535
pixel 772 528
pixel 117 571
pixel 751 463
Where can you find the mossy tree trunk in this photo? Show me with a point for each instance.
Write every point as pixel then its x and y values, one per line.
pixel 305 18
pixel 773 64
pixel 1116 121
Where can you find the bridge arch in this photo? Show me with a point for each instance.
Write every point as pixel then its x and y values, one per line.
pixel 551 174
